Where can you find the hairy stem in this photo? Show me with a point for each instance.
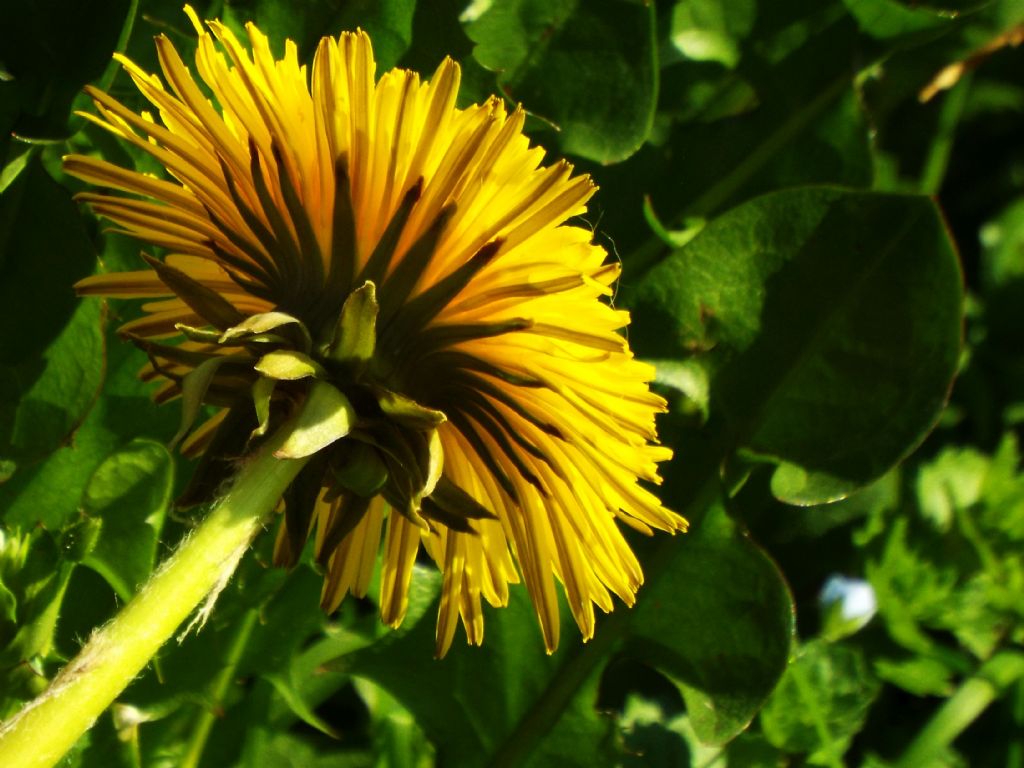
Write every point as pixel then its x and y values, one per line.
pixel 41 733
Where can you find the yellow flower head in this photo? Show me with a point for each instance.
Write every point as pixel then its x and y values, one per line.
pixel 366 247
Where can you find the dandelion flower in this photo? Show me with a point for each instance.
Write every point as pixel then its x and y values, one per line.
pixel 402 269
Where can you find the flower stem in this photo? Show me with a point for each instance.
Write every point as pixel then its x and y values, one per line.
pixel 962 708
pixel 47 727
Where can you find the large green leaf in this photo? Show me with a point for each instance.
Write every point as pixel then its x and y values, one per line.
pixel 52 395
pixel 891 18
pixel 718 620
pixel 388 22
pixel 827 322
pixel 51 345
pixel 50 492
pixel 711 30
pixel 130 493
pixel 588 67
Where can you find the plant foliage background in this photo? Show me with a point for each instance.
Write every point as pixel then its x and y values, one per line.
pixel 815 237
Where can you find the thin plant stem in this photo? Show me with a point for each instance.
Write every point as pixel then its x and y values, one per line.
pixel 47 727
pixel 219 691
pixel 938 154
pixel 961 709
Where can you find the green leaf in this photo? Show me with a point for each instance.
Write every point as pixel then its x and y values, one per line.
pixel 1003 241
pixel 686 377
pixel 890 18
pixel 398 740
pixel 269 748
pixel 388 22
pixel 652 739
pixel 130 493
pixel 50 492
pixel 954 480
pixel 711 30
pixel 821 702
pixel 919 675
pixel 829 326
pixel 911 587
pixel 326 416
pixel 35 574
pixel 590 68
pixel 717 619
pixel 15 164
pixel 582 737
pixel 781 119
pixel 46 399
pixel 51 346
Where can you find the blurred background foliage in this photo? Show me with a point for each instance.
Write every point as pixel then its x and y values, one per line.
pixel 819 208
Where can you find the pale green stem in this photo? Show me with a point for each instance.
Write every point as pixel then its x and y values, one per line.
pixel 962 708
pixel 942 145
pixel 41 733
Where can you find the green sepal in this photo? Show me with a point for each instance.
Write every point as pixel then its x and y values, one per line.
pixel 326 416
pixel 356 334
pixel 288 365
pixel 175 354
pixel 262 391
pixel 206 302
pixel 299 508
pixel 220 459
pixel 287 327
pixel 407 412
pixel 202 335
pixel 451 505
pixel 193 392
pixel 414 459
pixel 358 468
